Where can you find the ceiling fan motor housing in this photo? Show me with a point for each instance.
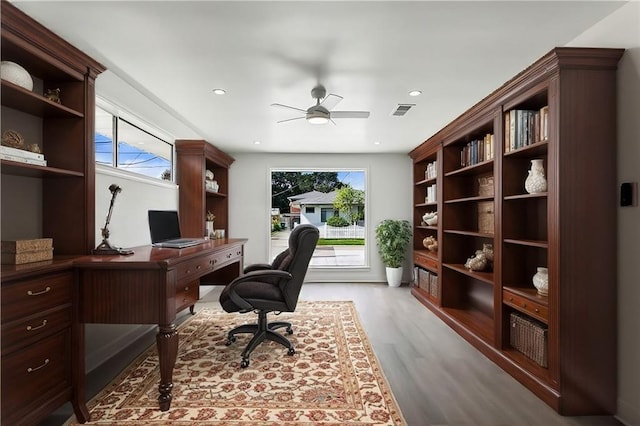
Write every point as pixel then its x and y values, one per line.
pixel 318 92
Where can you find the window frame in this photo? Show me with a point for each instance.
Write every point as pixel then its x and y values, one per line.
pixel 136 123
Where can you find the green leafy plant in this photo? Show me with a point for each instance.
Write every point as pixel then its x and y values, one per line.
pixel 392 237
pixel 337 221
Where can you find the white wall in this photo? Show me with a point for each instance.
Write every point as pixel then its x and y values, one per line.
pixel 622 29
pixel 389 196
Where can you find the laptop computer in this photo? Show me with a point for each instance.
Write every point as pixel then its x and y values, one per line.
pixel 164 227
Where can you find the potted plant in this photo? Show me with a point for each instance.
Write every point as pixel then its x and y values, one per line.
pixel 392 237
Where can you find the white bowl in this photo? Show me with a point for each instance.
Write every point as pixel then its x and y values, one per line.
pixel 14 73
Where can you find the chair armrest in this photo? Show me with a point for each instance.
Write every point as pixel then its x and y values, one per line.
pixel 267 277
pixel 257 267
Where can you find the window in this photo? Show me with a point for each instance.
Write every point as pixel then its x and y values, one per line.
pixel 314 197
pixel 326 213
pixel 137 150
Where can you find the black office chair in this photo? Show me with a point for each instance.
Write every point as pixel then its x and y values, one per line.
pixel 268 288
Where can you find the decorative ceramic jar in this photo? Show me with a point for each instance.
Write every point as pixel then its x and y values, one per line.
pixel 14 73
pixel 541 281
pixel 536 182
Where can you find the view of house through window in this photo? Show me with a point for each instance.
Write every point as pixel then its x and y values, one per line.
pixel 332 200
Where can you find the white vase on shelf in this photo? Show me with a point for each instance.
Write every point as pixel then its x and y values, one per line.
pixel 536 182
pixel 541 281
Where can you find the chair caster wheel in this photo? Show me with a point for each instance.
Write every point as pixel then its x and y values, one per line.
pixel 289 330
pixel 230 340
pixel 291 351
pixel 244 363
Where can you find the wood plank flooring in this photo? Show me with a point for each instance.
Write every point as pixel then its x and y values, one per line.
pixel 437 377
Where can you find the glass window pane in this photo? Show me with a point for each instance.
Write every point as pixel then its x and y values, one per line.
pixel 104 137
pixel 143 153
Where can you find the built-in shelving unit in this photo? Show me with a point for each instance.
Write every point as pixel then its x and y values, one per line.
pixel 55 201
pixel 560 110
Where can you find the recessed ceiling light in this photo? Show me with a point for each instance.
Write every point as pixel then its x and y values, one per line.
pixel 219 91
pixel 257 142
pixel 415 93
pixel 377 143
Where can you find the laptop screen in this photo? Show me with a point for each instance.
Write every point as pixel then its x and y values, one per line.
pixel 163 225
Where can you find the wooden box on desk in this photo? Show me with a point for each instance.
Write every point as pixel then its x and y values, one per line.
pixel 26 251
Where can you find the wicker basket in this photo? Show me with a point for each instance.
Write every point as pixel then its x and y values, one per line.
pixel 434 286
pixel 485 217
pixel 529 337
pixel 485 186
pixel 424 279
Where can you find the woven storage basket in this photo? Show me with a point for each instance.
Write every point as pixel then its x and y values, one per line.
pixel 485 217
pixel 485 186
pixel 434 286
pixel 425 277
pixel 529 337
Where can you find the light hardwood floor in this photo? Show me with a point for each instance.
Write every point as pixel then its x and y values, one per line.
pixel 435 375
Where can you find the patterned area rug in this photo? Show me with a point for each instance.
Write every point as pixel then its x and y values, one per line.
pixel 333 378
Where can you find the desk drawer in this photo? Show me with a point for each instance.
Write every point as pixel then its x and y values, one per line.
pixel 536 310
pixel 35 295
pixel 28 330
pixel 32 376
pixel 187 294
pixel 194 268
pixel 226 256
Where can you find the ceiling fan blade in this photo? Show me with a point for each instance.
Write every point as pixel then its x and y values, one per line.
pixel 288 107
pixel 330 101
pixel 349 114
pixel 289 119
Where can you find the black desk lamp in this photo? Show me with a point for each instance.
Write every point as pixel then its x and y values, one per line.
pixel 105 247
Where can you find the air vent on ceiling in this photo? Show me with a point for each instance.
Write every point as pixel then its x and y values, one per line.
pixel 402 109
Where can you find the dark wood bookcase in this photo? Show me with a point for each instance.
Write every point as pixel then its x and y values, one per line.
pixel 37 298
pixel 569 229
pixel 194 158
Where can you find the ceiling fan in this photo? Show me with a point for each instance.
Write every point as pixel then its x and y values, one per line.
pixel 321 112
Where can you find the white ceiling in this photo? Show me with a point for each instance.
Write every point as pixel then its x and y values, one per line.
pixel 370 53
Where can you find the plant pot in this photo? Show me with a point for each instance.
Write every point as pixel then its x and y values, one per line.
pixel 394 276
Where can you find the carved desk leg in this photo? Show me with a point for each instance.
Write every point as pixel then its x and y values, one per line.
pixel 167 342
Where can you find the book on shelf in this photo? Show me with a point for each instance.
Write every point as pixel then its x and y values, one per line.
pixel 24 160
pixel 523 127
pixel 21 153
pixel 477 151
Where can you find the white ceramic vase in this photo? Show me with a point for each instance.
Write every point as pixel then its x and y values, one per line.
pixel 394 276
pixel 536 182
pixel 14 73
pixel 541 281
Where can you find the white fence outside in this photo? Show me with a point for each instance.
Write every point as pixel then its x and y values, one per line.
pixel 351 231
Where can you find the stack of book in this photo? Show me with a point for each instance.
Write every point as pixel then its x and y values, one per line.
pixel 22 156
pixel 523 127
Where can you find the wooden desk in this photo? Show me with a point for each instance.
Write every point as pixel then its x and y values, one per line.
pixel 148 287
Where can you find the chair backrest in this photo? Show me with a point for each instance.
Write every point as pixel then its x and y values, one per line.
pixel 295 260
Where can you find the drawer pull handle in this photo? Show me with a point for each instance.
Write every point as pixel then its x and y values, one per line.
pixel 229 255
pixel 198 267
pixel 44 364
pixel 524 305
pixel 537 311
pixel 29 328
pixel 38 293
pixel 186 288
pixel 511 299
